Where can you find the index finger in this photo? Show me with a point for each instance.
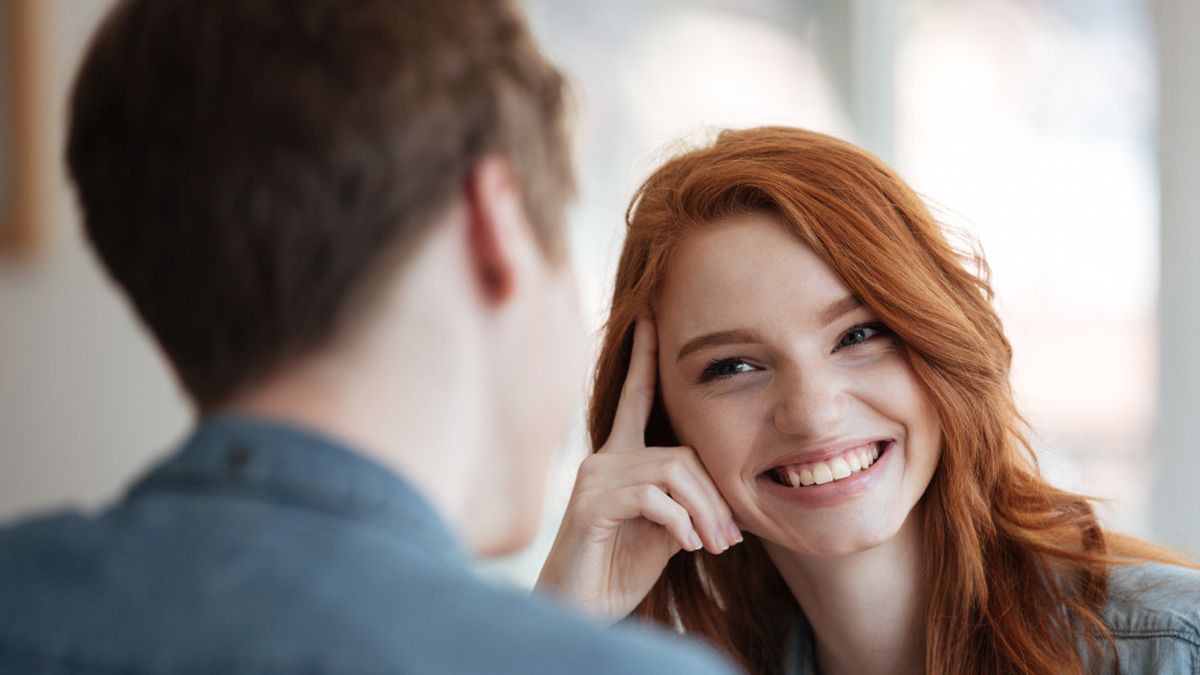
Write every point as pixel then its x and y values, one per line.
pixel 637 394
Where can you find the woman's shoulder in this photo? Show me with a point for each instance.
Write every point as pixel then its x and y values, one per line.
pixel 1154 601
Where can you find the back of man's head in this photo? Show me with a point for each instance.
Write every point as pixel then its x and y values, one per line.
pixel 246 167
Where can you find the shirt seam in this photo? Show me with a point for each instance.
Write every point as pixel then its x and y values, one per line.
pixel 1133 634
pixel 256 493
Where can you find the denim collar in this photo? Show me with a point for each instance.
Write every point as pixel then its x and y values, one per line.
pixel 240 455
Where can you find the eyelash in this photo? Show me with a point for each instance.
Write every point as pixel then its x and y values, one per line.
pixel 880 331
pixel 710 372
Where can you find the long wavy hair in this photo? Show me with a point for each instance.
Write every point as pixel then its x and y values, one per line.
pixel 1016 568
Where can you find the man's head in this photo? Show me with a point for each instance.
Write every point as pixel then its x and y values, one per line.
pixel 245 167
pixel 258 174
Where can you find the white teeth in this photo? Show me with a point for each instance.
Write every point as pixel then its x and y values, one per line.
pixel 853 460
pixel 840 468
pixel 864 457
pixel 822 473
pixel 819 473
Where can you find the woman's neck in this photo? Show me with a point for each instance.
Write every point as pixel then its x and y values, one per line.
pixel 866 609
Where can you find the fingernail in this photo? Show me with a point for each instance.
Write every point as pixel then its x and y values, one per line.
pixel 735 533
pixel 694 543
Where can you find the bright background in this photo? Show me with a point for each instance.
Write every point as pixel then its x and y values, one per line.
pixel 1033 127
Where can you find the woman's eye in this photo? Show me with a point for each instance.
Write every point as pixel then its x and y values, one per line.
pixel 860 334
pixel 725 368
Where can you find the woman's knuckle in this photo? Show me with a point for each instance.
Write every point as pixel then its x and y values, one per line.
pixel 675 468
pixel 645 493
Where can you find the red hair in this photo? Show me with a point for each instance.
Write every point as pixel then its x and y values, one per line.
pixel 1016 569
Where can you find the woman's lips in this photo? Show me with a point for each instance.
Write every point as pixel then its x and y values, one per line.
pixel 829 469
pixel 835 491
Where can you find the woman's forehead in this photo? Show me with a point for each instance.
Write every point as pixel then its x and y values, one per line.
pixel 745 269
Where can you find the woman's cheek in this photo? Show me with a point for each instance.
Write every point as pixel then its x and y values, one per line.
pixel 892 390
pixel 722 436
pixel 887 378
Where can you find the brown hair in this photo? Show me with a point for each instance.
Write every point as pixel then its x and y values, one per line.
pixel 1016 568
pixel 245 167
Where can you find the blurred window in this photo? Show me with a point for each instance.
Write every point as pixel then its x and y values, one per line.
pixel 1029 124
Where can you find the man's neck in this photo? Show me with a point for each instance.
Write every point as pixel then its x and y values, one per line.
pixel 428 429
pixel 866 609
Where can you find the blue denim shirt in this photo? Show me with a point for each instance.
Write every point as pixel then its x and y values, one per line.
pixel 261 548
pixel 1153 613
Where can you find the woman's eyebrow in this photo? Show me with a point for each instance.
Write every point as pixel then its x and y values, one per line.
pixel 832 313
pixel 725 337
pixel 838 309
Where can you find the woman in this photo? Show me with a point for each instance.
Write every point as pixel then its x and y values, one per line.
pixel 813 364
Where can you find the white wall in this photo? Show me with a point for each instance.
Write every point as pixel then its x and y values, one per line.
pixel 85 402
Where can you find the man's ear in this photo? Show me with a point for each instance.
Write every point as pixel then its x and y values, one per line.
pixel 496 225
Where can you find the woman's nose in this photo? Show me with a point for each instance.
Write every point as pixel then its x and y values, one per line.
pixel 810 404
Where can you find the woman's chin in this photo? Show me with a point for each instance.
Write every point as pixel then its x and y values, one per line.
pixel 836 537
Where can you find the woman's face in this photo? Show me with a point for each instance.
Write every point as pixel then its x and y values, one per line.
pixel 799 402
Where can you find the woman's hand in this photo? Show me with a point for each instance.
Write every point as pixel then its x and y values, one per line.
pixel 633 507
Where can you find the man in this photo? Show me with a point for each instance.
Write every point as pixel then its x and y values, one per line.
pixel 342 222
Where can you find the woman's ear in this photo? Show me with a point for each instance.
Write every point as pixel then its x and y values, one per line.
pixel 497 227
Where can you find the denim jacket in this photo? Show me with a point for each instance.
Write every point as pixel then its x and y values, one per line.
pixel 1153 614
pixel 263 548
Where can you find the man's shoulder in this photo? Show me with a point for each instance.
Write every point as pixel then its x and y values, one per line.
pixel 463 623
pixel 40 545
pixel 115 590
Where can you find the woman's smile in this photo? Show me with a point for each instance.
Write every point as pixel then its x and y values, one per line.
pixel 825 465
pixel 835 477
